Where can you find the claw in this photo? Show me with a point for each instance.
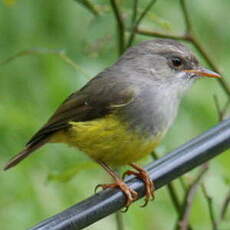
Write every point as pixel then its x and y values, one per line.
pixel 131 195
pixel 103 186
pixel 143 175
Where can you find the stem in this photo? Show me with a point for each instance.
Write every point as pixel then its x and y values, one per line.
pixel 120 26
pixel 188 26
pixel 225 206
pixel 201 50
pixel 136 24
pixel 159 34
pixel 210 208
pixel 172 192
pixel 88 5
pixel 39 51
pixel 183 220
pixel 119 221
pixel 134 16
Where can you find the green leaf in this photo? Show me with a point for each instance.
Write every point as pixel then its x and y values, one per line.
pixel 68 174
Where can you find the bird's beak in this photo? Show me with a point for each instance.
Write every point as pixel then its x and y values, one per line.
pixel 203 72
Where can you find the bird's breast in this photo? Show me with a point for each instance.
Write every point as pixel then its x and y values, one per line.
pixel 153 111
pixel 109 139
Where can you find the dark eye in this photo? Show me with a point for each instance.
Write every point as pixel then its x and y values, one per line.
pixel 176 61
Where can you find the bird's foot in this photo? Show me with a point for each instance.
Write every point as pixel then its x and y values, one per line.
pixel 143 175
pixel 130 193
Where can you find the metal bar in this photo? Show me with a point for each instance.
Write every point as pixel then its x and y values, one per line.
pixel 162 171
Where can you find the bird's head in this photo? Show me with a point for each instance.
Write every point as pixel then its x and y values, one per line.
pixel 167 61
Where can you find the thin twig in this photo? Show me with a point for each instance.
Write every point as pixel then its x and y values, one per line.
pixel 183 220
pixel 120 26
pixel 225 108
pixel 159 34
pixel 202 51
pixel 37 51
pixel 138 21
pixel 183 184
pixel 172 192
pixel 225 206
pixel 210 208
pixel 188 26
pixel 221 111
pixel 134 15
pixel 88 5
pixel 218 109
pixel 119 221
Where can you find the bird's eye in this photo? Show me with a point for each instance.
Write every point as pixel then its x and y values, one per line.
pixel 176 61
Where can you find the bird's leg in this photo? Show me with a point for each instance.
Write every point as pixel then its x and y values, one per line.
pixel 119 183
pixel 143 175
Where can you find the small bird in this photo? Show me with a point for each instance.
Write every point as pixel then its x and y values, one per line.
pixel 122 114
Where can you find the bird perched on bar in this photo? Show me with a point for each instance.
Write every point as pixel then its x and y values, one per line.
pixel 122 114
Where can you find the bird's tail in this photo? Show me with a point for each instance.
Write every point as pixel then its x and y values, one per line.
pixel 24 153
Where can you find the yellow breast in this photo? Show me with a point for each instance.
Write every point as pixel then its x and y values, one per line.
pixel 108 139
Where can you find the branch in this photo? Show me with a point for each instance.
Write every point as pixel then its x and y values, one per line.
pixel 218 109
pixel 37 51
pixel 162 171
pixel 210 208
pixel 134 15
pixel 88 5
pixel 188 25
pixel 119 221
pixel 183 221
pixel 159 34
pixel 225 108
pixel 136 24
pixel 120 26
pixel 172 191
pixel 225 206
pixel 203 53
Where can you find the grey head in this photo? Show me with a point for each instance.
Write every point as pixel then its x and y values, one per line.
pixel 165 61
pixel 162 70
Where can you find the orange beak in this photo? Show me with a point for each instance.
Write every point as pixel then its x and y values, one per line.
pixel 203 73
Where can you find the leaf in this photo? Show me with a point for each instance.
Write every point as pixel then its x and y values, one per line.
pixel 68 174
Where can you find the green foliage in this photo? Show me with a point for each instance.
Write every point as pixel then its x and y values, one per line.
pixel 34 84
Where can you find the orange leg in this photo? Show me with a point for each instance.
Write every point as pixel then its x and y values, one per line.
pixel 143 175
pixel 119 183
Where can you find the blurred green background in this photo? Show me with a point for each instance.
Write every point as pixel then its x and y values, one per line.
pixel 32 86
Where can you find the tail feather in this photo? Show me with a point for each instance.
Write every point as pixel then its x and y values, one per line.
pixel 23 154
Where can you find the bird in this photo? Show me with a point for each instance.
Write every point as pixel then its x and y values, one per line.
pixel 122 114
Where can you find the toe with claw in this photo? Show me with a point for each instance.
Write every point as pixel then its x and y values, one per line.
pixel 129 193
pixel 143 175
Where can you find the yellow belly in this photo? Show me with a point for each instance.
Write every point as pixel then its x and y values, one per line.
pixel 109 140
